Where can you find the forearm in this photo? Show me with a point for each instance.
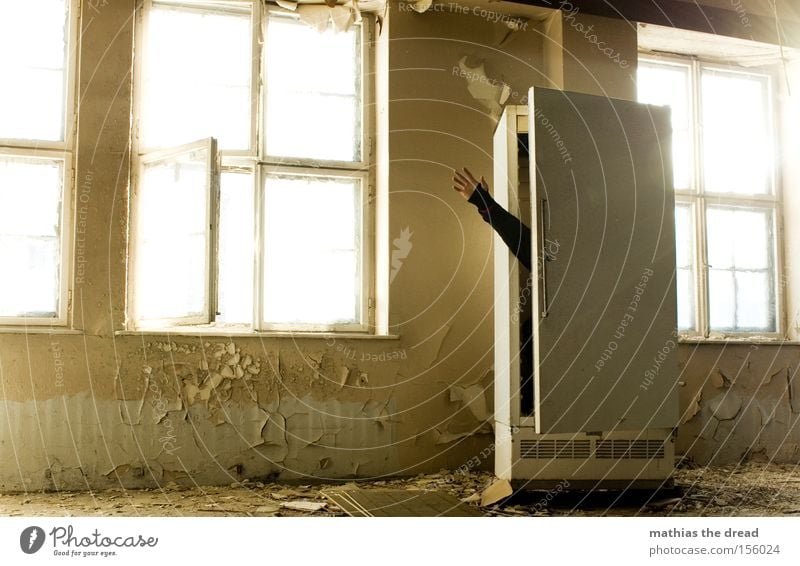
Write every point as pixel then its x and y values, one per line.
pixel 513 232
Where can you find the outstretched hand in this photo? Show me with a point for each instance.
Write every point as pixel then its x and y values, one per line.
pixel 465 183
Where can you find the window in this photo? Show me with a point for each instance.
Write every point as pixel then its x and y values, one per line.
pixel 36 136
pixel 727 196
pixel 252 183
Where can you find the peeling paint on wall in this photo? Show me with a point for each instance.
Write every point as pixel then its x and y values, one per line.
pixel 745 409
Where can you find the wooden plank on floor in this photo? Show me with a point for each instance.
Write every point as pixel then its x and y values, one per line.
pixel 400 503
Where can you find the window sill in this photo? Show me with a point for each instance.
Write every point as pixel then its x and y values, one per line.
pixel 248 332
pixel 47 330
pixel 743 341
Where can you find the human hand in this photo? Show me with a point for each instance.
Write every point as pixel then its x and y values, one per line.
pixel 465 183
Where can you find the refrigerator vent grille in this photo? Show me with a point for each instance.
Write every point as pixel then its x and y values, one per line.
pixel 629 449
pixel 554 449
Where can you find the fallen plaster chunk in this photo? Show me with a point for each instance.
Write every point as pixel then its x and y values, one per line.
pixel 498 491
pixel 290 5
pixel 191 391
pixel 475 497
pixel 304 505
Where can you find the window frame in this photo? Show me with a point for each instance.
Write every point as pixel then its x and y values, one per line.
pixel 63 150
pixel 366 93
pixel 700 199
pixel 258 164
pixel 212 194
pixel 141 23
pixel 365 267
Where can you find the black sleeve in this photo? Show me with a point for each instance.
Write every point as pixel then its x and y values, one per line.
pixel 514 233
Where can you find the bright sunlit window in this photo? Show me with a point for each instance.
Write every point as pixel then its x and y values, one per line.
pixel 35 160
pixel 251 195
pixel 727 200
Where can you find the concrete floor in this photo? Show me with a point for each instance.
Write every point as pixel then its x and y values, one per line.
pixel 746 490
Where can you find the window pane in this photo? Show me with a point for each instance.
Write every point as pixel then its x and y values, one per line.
pixel 236 249
pixel 752 300
pixel 741 273
pixel 197 71
pixel 737 150
pixel 171 252
pixel 668 85
pixel 30 227
pixel 721 299
pixel 313 249
pixel 313 105
pixel 684 254
pixel 33 48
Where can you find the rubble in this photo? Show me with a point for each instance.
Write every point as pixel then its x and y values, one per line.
pixel 751 489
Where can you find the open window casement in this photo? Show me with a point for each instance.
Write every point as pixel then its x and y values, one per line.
pixel 172 275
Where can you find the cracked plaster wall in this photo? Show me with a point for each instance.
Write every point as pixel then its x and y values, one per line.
pixel 739 402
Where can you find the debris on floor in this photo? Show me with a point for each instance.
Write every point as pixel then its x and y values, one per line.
pixel 400 503
pixel 752 489
pixel 498 491
pixel 304 505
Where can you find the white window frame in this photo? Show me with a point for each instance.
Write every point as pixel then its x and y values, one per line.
pixel 365 223
pixel 699 199
pixel 64 151
pixel 212 191
pixel 143 8
pixel 256 162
